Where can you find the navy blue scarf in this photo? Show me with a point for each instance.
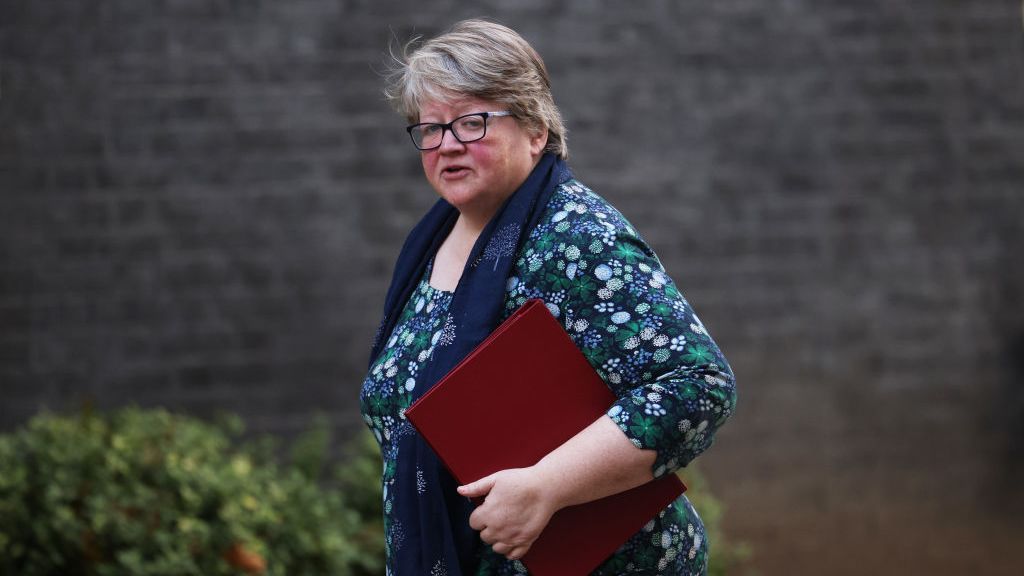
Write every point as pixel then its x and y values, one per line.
pixel 437 520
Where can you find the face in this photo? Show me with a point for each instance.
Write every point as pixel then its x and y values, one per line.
pixel 477 177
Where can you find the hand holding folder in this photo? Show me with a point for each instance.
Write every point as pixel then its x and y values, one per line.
pixel 520 394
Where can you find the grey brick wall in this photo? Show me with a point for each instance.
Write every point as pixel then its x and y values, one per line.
pixel 200 203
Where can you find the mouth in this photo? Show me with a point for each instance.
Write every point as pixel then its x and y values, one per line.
pixel 454 171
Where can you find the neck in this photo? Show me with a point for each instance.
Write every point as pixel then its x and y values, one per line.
pixel 469 227
pixel 475 218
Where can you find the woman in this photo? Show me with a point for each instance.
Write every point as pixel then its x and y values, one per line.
pixel 513 224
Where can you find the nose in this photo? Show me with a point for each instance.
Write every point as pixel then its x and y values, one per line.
pixel 449 143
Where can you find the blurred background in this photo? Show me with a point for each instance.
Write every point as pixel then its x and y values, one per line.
pixel 201 201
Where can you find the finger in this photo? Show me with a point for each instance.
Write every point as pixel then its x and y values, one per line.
pixel 518 552
pixel 476 520
pixel 479 488
pixel 501 548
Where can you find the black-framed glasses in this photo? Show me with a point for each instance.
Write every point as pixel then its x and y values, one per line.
pixel 466 128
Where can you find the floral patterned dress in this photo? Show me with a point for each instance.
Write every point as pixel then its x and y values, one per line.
pixel 611 294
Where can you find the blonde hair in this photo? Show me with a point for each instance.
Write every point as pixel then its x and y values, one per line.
pixel 483 60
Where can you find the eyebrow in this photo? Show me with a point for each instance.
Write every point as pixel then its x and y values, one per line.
pixel 464 111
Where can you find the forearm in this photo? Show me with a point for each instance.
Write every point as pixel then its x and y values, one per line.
pixel 597 462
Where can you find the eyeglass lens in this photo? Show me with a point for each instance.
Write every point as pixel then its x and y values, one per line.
pixel 466 129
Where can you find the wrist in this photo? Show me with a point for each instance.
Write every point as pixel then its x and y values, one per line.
pixel 551 479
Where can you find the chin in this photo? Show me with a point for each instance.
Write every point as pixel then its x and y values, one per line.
pixel 460 204
pixel 459 198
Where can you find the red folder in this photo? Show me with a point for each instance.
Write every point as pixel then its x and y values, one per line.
pixel 517 396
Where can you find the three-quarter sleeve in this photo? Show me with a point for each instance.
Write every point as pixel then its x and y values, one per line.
pixel 674 387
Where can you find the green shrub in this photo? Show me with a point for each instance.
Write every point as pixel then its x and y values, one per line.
pixel 149 493
pixel 145 492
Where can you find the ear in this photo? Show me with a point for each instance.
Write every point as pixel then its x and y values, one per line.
pixel 538 141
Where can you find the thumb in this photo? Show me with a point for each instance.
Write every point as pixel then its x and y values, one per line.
pixel 479 488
